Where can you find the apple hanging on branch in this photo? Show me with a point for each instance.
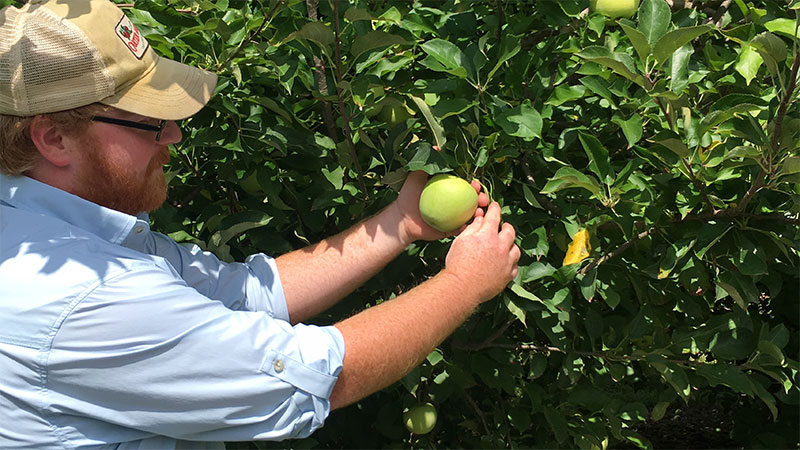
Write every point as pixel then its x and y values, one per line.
pixel 420 419
pixel 615 9
pixel 447 202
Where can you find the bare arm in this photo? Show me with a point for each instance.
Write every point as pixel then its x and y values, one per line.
pixel 385 342
pixel 316 277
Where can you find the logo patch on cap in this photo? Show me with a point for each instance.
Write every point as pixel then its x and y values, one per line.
pixel 130 35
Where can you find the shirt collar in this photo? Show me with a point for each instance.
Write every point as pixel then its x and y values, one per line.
pixel 30 195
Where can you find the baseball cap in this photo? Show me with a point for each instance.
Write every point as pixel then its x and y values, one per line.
pixel 62 54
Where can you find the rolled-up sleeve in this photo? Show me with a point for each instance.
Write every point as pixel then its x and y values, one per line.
pixel 252 285
pixel 169 361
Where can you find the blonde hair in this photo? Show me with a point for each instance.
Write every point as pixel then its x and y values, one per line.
pixel 18 154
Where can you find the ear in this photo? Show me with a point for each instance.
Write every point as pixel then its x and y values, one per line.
pixel 51 142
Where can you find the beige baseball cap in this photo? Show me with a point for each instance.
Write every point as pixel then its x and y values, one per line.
pixel 62 54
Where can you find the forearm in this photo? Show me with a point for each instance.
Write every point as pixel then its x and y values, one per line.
pixel 316 277
pixel 384 342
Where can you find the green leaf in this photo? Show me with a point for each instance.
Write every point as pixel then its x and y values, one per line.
pixel 599 162
pixel 675 39
pixel 726 375
pixel 354 14
pixel 673 142
pixel 600 87
pixel 566 93
pixel 614 61
pixel 631 128
pixel 436 128
pixel 638 39
pixel 240 223
pixel 514 308
pixel 772 50
pixel 447 54
pixel 730 106
pixel 427 160
pixel 748 63
pixel 675 376
pixel 373 40
pixel 790 165
pixel 659 411
pixel 772 350
pixel 679 78
pixel 509 47
pixel 316 32
pixel 740 288
pixel 765 397
pixel 522 121
pixel 557 423
pixel 654 19
pixel 787 27
pixel 524 293
pixel 452 107
pixel 567 177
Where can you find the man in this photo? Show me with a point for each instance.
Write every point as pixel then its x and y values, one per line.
pixel 114 335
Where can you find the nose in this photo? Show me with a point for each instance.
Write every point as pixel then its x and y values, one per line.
pixel 171 134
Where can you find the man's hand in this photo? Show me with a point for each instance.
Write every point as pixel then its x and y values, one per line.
pixel 411 225
pixel 484 256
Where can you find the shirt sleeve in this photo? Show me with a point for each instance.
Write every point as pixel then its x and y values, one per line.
pixel 253 285
pixel 145 351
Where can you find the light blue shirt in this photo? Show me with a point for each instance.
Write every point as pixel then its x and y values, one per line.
pixel 113 334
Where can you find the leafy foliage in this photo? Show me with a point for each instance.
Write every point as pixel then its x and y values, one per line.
pixel 673 138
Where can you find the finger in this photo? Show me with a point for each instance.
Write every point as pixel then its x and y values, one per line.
pixel 515 253
pixel 483 200
pixel 479 212
pixel 492 217
pixel 507 233
pixel 477 185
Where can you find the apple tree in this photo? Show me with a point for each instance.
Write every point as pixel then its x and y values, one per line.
pixel 650 165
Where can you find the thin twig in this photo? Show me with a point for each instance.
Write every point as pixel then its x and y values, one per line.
pixel 348 134
pixel 602 355
pixel 252 36
pixel 322 81
pixel 758 182
pixel 477 410
pixel 784 105
pixel 617 251
pixel 545 202
pixel 489 339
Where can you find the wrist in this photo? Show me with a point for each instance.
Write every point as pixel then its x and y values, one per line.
pixel 396 221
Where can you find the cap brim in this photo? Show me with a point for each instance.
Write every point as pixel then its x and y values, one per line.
pixel 170 91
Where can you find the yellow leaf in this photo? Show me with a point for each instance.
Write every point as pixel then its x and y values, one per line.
pixel 579 248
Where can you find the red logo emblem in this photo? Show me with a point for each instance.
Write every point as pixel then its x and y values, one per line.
pixel 131 37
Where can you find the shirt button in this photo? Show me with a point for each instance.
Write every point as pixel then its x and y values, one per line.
pixel 138 229
pixel 278 365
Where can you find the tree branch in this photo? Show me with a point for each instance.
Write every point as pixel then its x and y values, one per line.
pixel 617 251
pixel 348 134
pixel 784 105
pixel 720 14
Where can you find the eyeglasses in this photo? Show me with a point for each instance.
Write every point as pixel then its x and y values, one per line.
pixel 131 124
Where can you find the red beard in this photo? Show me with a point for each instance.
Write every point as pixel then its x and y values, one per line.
pixel 108 183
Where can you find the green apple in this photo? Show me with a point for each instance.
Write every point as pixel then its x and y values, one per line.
pixel 447 202
pixel 420 419
pixel 615 8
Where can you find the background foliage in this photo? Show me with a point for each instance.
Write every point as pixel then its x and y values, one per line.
pixel 673 138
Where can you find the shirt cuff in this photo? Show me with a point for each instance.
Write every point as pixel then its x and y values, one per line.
pixel 268 282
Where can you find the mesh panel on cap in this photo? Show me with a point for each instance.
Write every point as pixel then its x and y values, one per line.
pixel 62 70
